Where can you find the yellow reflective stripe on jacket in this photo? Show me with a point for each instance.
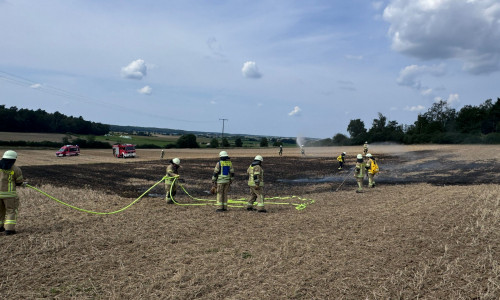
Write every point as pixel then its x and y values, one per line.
pixel 11 186
pixel 251 181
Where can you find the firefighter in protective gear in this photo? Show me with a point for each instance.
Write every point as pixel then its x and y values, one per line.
pixel 365 148
pixel 280 153
pixel 256 184
pixel 10 177
pixel 302 150
pixel 359 172
pixel 223 177
pixel 341 159
pixel 171 180
pixel 371 160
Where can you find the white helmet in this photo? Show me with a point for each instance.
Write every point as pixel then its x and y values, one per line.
pixel 368 155
pixel 359 156
pixel 176 161
pixel 9 154
pixel 223 154
pixel 258 157
pixel 344 153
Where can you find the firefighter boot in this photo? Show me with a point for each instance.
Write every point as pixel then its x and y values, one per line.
pixel 2 229
pixel 10 232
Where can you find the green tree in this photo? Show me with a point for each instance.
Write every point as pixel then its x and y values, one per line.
pixel 225 143
pixel 187 141
pixel 356 128
pixel 340 139
pixel 214 143
pixel 238 142
pixel 264 142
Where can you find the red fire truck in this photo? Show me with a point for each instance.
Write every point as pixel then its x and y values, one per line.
pixel 124 150
pixel 68 150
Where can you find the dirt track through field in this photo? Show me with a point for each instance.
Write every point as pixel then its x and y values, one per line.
pixel 428 230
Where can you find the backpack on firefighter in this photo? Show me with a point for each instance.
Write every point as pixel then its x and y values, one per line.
pixel 374 167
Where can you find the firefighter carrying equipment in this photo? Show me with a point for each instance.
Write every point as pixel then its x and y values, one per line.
pixel 9 154
pixel 373 167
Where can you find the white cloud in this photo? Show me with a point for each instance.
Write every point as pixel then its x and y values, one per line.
pixel 426 92
pixel 411 75
pixel 250 70
pixel 452 99
pixel 415 108
pixel 135 70
pixel 147 90
pixel 36 86
pixel 213 102
pixel 295 112
pixel 447 29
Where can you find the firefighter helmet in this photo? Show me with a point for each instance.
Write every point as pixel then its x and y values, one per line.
pixel 176 161
pixel 9 154
pixel 344 153
pixel 359 156
pixel 258 157
pixel 368 155
pixel 223 154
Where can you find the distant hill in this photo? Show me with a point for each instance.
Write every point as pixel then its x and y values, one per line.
pixel 168 131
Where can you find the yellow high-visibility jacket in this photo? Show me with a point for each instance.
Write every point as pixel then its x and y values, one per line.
pixel 8 181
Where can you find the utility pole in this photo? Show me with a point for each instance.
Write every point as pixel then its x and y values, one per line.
pixel 223 120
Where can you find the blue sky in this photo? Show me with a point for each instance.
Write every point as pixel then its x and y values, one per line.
pixel 277 68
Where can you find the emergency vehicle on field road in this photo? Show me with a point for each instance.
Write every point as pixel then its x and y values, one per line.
pixel 124 150
pixel 68 150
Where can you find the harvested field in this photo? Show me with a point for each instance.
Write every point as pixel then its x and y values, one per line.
pixel 428 230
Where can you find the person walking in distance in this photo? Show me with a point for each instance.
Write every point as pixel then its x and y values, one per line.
pixel 359 172
pixel 171 180
pixel 281 151
pixel 302 150
pixel 365 148
pixel 10 177
pixel 371 169
pixel 341 159
pixel 256 184
pixel 223 177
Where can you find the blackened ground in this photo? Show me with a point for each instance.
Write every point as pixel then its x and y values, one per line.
pixel 283 175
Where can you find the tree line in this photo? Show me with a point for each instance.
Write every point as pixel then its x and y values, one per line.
pixel 441 124
pixel 26 120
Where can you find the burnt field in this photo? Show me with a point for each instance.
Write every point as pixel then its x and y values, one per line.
pixel 428 230
pixel 283 175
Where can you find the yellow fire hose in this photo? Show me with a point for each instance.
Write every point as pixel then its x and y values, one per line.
pixel 298 206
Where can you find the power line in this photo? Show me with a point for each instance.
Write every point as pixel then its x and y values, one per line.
pixel 223 120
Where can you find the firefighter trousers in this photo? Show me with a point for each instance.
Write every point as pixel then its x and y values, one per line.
pixel 371 181
pixel 256 194
pixel 222 191
pixel 360 183
pixel 8 213
pixel 168 196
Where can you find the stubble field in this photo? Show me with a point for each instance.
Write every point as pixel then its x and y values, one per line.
pixel 428 230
